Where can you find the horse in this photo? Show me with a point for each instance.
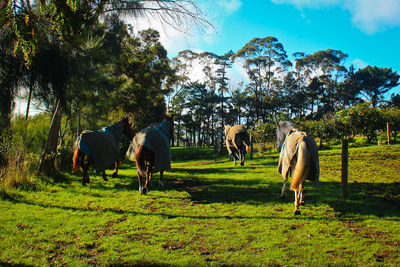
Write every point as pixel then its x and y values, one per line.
pixel 298 157
pixel 100 148
pixel 237 143
pixel 152 152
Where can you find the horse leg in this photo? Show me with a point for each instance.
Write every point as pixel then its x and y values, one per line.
pixel 104 176
pixel 145 189
pixel 296 202
pixel 115 173
pixel 161 182
pixel 301 200
pixel 284 187
pixel 140 182
pixel 242 155
pixel 85 178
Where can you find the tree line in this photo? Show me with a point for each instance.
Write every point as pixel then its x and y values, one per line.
pixel 87 68
pixel 309 88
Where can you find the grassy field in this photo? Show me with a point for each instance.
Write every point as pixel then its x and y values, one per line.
pixel 211 214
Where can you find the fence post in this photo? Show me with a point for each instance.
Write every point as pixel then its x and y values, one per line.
pixel 345 167
pixel 251 145
pixel 388 133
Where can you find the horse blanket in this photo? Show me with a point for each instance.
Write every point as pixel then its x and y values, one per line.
pixel 288 155
pixel 155 139
pixel 102 146
pixel 235 136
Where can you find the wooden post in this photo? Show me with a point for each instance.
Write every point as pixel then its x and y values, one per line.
pixel 251 145
pixel 345 167
pixel 388 133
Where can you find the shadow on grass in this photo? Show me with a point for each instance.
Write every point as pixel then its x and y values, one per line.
pixel 375 199
pixel 370 199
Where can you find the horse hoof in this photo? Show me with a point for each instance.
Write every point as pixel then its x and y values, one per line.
pixel 144 191
pixel 282 196
pixel 297 212
pixel 105 179
pixel 114 175
pixel 302 203
pixel 242 164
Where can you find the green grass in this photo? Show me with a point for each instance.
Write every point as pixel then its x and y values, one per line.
pixel 211 213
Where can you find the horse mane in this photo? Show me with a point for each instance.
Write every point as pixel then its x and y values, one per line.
pixel 285 127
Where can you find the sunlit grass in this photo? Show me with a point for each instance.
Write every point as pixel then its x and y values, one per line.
pixel 211 213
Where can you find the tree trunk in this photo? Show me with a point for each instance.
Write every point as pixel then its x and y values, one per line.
pixel 48 157
pixel 32 82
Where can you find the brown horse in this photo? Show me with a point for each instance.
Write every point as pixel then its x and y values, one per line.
pixel 299 158
pixel 152 152
pixel 100 148
pixel 237 143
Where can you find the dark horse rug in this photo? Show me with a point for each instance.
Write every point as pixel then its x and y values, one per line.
pixel 156 139
pixel 102 145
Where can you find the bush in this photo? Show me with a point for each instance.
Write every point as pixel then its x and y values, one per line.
pixel 18 171
pixel 31 134
pixel 264 136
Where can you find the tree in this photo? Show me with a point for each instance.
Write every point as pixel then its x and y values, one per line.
pixel 374 82
pixel 263 58
pixel 11 73
pixel 394 100
pixel 70 23
pixel 66 19
pixel 145 68
pixel 324 70
pixel 361 119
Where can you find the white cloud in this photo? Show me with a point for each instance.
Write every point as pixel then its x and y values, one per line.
pixel 230 6
pixel 370 16
pixel 308 3
pixel 373 16
pixel 359 64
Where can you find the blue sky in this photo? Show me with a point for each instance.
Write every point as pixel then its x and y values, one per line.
pixel 367 30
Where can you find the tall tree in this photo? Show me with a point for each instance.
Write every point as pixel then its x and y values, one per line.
pixel 146 68
pixel 375 82
pixel 11 73
pixel 263 59
pixel 326 66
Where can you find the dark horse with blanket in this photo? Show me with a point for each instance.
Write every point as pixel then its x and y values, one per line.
pixel 152 151
pixel 298 157
pixel 237 142
pixel 101 148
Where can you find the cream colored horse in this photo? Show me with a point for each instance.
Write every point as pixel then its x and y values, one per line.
pixel 299 158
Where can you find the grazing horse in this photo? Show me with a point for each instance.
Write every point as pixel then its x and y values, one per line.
pixel 298 157
pixel 152 151
pixel 237 142
pixel 101 148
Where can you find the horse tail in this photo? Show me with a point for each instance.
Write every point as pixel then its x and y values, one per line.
pixel 247 144
pixel 300 168
pixel 140 160
pixel 76 160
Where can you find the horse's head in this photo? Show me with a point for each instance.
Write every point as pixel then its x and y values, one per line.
pixel 282 129
pixel 170 119
pixel 127 130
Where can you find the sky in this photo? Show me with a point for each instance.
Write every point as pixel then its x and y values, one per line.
pixel 367 30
